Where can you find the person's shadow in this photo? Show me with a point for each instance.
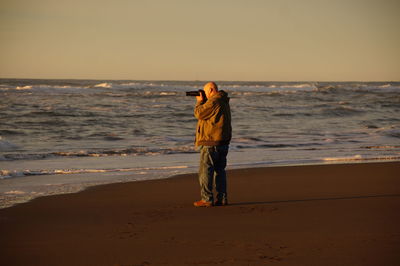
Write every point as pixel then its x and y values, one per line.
pixel 313 199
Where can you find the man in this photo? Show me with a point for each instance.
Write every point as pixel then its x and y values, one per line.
pixel 213 135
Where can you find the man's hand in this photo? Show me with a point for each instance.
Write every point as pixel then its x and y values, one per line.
pixel 200 98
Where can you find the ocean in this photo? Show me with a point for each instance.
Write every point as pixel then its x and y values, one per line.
pixel 61 136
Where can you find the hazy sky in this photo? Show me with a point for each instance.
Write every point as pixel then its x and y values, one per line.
pixel 271 40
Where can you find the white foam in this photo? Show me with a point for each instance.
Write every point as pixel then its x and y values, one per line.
pixel 19 88
pixel 271 88
pixel 389 86
pixel 299 86
pixel 104 153
pixel 15 173
pixel 14 192
pixel 23 88
pixel 24 189
pixel 103 85
pixel 164 93
pixel 385 86
pixel 352 158
pixel 361 158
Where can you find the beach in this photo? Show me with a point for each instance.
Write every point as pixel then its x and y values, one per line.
pixel 102 140
pixel 338 214
pixel 61 136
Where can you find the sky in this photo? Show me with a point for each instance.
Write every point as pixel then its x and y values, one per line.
pixel 249 40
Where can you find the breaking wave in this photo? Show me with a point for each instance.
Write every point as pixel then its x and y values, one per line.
pixel 99 153
pixel 4 174
pixel 360 158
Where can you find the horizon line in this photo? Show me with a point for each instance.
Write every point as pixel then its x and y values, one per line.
pixel 196 80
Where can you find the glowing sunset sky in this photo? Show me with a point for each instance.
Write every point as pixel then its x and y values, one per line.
pixel 285 40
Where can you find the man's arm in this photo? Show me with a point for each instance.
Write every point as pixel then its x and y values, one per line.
pixel 204 111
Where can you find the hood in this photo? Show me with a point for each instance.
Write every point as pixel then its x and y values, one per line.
pixel 221 96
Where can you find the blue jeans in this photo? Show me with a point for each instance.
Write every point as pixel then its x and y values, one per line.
pixel 212 168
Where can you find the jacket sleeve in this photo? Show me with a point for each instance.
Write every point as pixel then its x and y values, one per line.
pixel 204 111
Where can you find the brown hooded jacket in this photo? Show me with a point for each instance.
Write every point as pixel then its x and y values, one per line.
pixel 214 121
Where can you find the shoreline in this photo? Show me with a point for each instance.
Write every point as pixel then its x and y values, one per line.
pixel 331 214
pixel 72 188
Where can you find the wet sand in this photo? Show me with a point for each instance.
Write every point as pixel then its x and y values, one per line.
pixel 345 214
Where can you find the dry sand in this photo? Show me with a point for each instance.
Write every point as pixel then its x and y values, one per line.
pixel 301 215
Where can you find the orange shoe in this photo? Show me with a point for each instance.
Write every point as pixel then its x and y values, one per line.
pixel 203 203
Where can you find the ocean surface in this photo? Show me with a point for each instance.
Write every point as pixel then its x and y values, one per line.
pixel 60 136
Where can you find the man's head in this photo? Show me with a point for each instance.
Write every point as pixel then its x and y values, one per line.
pixel 210 89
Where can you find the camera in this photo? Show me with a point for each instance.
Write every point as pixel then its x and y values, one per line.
pixel 197 93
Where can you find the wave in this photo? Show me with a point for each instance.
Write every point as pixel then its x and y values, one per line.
pixel 271 88
pixel 5 174
pixel 382 147
pixel 147 87
pixel 248 139
pixel 277 145
pixel 103 85
pixel 395 133
pixel 264 93
pixel 165 86
pixel 7 146
pixel 99 153
pixel 14 192
pixel 386 87
pixel 17 88
pixel 174 88
pixel 10 132
pixel 391 131
pixel 106 89
pixel 299 86
pixel 341 111
pixel 44 88
pixel 361 158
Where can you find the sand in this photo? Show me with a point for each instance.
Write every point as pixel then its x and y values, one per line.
pixel 345 214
